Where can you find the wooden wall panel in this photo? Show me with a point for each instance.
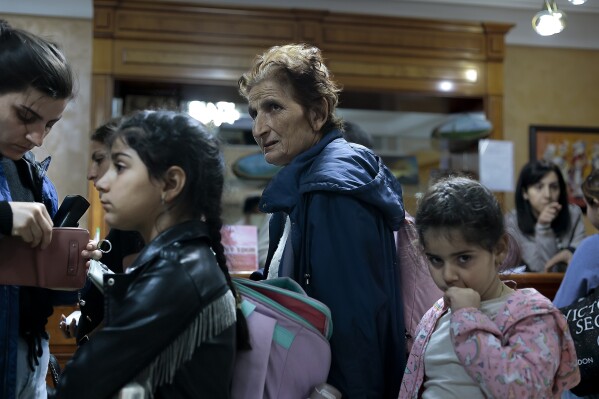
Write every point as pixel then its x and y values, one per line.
pixel 495 34
pixel 405 74
pixel 103 89
pixel 103 21
pixel 358 37
pixel 206 28
pixel 181 62
pixel 262 27
pixel 494 112
pixel 102 56
pixel 494 81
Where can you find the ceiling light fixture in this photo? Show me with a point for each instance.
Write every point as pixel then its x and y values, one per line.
pixel 550 20
pixel 577 2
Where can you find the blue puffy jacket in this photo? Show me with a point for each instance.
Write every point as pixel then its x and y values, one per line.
pixel 43 191
pixel 344 205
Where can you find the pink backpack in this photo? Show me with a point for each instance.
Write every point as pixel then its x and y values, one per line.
pixel 418 290
pixel 289 335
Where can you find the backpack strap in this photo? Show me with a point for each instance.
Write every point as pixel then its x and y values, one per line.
pixel 276 226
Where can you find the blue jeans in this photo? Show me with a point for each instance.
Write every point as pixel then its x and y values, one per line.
pixel 32 384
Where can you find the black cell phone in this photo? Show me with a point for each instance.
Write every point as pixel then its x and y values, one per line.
pixel 70 211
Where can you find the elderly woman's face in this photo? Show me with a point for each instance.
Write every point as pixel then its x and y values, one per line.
pixel 281 127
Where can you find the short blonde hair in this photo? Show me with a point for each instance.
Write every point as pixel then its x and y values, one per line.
pixel 301 68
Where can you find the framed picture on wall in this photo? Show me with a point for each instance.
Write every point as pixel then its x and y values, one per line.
pixel 575 150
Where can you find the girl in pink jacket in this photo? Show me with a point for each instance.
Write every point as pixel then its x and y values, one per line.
pixel 483 339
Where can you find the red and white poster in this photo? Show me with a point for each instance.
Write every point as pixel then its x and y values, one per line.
pixel 241 247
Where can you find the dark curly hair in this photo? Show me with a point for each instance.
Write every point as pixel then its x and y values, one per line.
pixel 590 188
pixel 463 204
pixel 300 67
pixel 104 133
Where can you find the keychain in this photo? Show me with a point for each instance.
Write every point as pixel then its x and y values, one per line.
pixel 97 269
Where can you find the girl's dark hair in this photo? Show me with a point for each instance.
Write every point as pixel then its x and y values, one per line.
pixel 103 134
pixel 27 60
pixel 300 67
pixel 531 174
pixel 590 188
pixel 463 204
pixel 165 138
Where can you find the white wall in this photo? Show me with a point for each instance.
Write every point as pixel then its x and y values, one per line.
pixel 55 8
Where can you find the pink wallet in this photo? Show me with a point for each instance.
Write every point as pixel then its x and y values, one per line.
pixel 60 266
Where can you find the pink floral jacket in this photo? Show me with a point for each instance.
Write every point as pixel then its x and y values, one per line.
pixel 526 351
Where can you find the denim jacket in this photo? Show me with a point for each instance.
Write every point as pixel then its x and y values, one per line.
pixel 43 191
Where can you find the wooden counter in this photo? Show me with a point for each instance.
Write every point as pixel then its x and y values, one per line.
pixel 546 283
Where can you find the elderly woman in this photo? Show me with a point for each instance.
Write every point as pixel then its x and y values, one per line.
pixel 335 208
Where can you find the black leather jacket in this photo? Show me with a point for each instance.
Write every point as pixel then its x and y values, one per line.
pixel 169 324
pixel 91 302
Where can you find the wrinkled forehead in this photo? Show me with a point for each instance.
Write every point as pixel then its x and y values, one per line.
pixel 271 85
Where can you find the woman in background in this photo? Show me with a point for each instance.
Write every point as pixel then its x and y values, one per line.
pixel 547 228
